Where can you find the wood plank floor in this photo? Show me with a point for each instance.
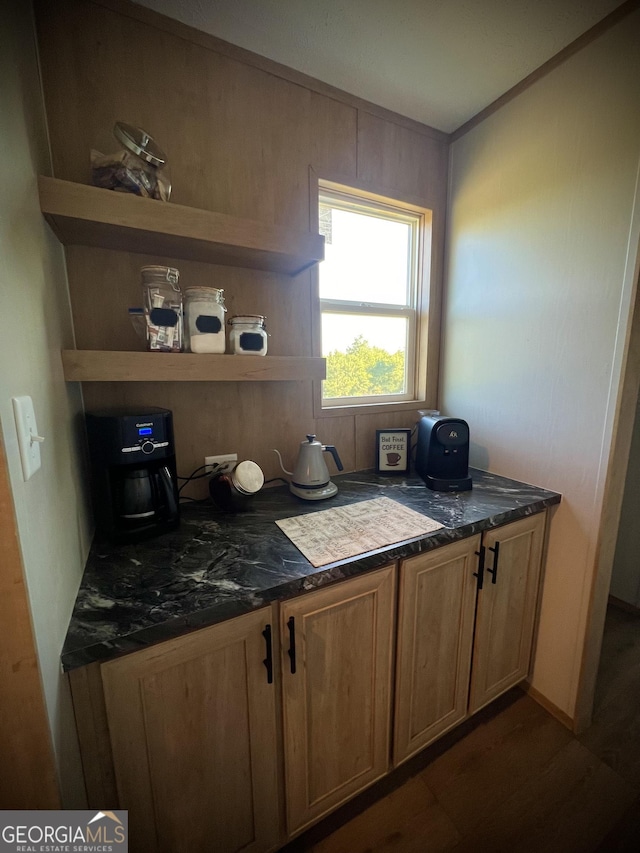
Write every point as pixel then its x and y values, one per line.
pixel 517 781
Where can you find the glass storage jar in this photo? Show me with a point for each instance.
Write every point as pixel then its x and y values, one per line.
pixel 139 167
pixel 162 301
pixel 248 334
pixel 204 319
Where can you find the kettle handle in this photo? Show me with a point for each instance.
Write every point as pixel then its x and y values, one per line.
pixel 334 453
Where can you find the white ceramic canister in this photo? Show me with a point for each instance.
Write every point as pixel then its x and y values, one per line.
pixel 248 335
pixel 204 319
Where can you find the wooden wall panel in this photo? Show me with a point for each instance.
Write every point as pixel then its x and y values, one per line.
pixel 240 139
pixel 221 417
pixel 333 137
pixel 341 433
pixel 104 284
pixel 401 160
pixel 235 137
pixel 365 429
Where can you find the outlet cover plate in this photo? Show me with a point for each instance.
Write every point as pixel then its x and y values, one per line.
pixel 26 427
pixel 220 464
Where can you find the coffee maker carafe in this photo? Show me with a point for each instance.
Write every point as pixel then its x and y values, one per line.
pixel 133 472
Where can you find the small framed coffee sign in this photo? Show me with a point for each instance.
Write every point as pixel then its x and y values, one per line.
pixel 392 451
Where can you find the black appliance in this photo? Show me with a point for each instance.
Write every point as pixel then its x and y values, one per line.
pixel 442 453
pixel 133 472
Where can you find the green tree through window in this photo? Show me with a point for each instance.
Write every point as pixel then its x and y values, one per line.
pixel 364 371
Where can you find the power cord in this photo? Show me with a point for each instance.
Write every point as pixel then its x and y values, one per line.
pixel 413 447
pixel 193 476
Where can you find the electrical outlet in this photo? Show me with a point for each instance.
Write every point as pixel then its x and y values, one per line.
pixel 220 464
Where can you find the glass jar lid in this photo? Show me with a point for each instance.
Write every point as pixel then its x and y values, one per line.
pixel 159 273
pixel 247 319
pixel 139 142
pixel 214 293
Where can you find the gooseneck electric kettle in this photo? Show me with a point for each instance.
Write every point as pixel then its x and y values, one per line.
pixel 310 477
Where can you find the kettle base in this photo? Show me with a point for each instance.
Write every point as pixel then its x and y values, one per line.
pixel 308 494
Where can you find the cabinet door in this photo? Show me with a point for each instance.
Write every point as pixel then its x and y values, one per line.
pixel 506 608
pixel 193 731
pixel 437 601
pixel 337 701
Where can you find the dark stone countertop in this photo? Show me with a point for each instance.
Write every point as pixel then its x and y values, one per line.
pixel 218 565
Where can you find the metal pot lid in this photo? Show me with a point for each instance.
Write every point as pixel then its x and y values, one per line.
pixel 140 143
pixel 248 477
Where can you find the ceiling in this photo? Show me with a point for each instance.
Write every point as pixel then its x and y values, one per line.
pixel 437 61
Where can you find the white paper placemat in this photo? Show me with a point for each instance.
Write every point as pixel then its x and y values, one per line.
pixel 346 531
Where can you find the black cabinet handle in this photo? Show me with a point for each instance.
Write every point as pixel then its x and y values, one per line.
pixel 268 661
pixel 496 554
pixel 291 625
pixel 480 573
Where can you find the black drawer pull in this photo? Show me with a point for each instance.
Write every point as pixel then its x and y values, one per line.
pixel 496 554
pixel 480 573
pixel 268 661
pixel 291 625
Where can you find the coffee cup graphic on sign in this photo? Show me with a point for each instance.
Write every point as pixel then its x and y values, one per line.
pixel 393 459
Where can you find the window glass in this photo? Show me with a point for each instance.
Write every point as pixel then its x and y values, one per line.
pixel 366 356
pixel 368 299
pixel 366 259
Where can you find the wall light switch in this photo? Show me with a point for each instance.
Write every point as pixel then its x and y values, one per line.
pixel 28 439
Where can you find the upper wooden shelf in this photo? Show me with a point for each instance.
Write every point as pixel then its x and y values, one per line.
pixel 116 366
pixel 91 216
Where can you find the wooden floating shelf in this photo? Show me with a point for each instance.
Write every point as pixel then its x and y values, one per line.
pixel 91 216
pixel 112 366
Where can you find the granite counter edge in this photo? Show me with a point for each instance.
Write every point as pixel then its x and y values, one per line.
pixel 333 573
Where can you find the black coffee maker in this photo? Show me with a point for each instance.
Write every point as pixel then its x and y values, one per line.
pixel 442 453
pixel 133 472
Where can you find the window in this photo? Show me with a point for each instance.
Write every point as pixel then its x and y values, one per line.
pixel 372 328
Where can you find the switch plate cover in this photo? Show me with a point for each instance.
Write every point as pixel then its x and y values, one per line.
pixel 26 428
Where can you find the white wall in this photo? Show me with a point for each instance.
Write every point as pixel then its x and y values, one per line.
pixel 36 325
pixel 542 195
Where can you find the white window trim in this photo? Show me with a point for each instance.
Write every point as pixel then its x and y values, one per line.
pixel 427 321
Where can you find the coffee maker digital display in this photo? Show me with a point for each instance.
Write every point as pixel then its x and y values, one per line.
pixel 133 472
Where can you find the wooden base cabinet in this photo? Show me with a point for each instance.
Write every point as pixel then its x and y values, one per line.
pixel 337 652
pixel 505 616
pixel 194 736
pixel 436 608
pixel 209 736
pixel 494 579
